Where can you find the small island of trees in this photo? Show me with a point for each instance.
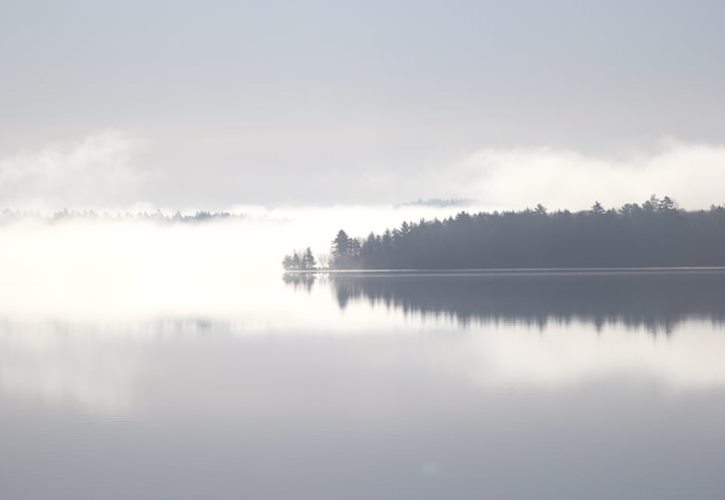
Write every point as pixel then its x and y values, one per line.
pixel 656 233
pixel 300 261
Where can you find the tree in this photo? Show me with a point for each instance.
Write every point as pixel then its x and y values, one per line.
pixel 308 260
pixel 300 261
pixel 597 208
pixel 287 262
pixel 651 205
pixel 341 245
pixel 667 204
pixel 345 251
pixel 292 262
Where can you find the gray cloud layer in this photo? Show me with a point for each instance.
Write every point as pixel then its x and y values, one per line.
pixel 104 170
pixel 326 101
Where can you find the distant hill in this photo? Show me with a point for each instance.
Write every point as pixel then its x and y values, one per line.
pixel 440 202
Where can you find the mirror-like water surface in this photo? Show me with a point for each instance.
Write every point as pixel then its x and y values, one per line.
pixel 378 385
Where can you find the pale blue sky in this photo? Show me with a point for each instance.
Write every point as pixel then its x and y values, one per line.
pixel 319 102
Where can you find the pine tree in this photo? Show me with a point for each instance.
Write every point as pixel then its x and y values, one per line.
pixel 308 260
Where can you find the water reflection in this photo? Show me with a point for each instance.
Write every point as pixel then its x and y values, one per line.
pixel 325 395
pixel 549 330
pixel 300 281
pixel 657 300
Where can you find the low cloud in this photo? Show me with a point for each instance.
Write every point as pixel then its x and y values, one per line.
pixel 560 178
pixel 106 171
pixel 96 171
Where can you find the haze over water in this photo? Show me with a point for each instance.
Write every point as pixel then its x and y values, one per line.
pixel 379 385
pixel 162 162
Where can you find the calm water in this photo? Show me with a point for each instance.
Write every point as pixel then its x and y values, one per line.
pixel 378 386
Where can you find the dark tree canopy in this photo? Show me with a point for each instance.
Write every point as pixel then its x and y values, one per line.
pixel 345 251
pixel 655 233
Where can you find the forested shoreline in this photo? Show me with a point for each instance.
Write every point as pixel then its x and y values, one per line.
pixel 655 233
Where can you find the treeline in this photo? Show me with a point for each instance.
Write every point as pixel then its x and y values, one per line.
pixel 655 233
pixel 7 215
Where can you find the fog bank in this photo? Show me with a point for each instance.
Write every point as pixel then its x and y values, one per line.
pixel 102 267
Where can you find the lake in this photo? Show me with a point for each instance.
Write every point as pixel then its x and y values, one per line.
pixel 378 385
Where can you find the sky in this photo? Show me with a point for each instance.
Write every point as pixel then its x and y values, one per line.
pixel 224 103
